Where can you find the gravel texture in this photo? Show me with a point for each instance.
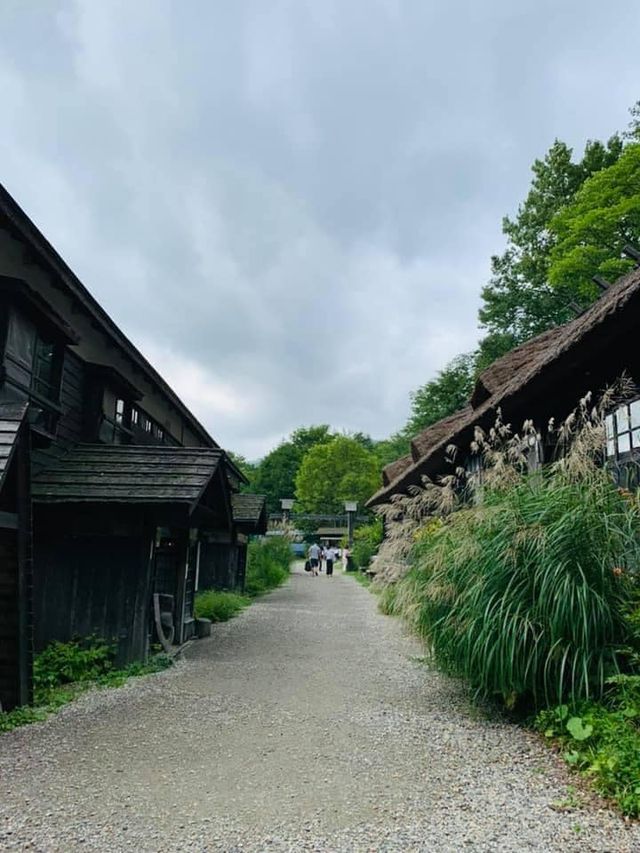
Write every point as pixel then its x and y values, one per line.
pixel 307 723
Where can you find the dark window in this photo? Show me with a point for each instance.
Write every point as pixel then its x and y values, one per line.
pixel 44 377
pixel 21 339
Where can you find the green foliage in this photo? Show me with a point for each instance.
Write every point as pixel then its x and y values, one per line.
pixel 63 671
pixel 387 602
pixel 602 740
pixel 268 563
pixel 66 663
pixel 247 468
pixel 442 396
pixel 518 594
pixel 334 472
pixel 275 475
pixel 366 540
pixel 518 300
pixel 392 448
pixel 219 605
pixel 591 231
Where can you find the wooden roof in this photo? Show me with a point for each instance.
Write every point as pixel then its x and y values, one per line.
pixel 101 473
pixel 11 417
pixel 508 379
pixel 248 507
pixel 250 512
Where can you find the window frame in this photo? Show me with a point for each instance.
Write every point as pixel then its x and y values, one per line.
pixel 624 421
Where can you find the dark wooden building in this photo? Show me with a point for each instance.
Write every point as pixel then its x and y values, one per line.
pixel 224 561
pixel 110 489
pixel 15 557
pixel 543 379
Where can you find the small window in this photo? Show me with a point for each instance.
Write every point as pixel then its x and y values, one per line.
pixel 622 429
pixel 119 411
pixel 135 416
pixel 146 424
pixel 21 339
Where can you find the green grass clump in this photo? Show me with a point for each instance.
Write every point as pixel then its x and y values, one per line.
pixel 526 594
pixel 219 605
pixel 387 600
pixel 602 740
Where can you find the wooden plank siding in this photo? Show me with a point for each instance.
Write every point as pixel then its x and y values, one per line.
pixel 93 585
pixel 71 424
pixel 9 620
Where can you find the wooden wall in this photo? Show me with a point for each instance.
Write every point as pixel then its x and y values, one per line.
pixel 220 566
pixel 92 584
pixel 9 620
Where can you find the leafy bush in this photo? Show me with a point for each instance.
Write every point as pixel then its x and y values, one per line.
pixel 366 540
pixel 603 740
pixel 64 670
pixel 268 563
pixel 67 663
pixel 526 594
pixel 219 605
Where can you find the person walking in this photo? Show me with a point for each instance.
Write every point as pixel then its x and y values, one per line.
pixel 330 556
pixel 345 559
pixel 314 557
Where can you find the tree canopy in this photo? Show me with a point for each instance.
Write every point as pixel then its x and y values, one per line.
pixel 275 475
pixel 334 472
pixel 592 230
pixel 442 396
pixel 519 300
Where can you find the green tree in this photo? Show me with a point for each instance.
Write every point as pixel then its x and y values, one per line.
pixel 442 396
pixel 392 448
pixel 275 475
pixel 518 300
pixel 591 231
pixel 334 472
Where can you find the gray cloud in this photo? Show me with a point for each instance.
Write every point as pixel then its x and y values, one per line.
pixel 291 206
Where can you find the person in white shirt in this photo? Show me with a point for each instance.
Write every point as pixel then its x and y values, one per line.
pixel 314 558
pixel 330 555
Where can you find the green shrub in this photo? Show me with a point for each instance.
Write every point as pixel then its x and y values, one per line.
pixel 602 740
pixel 366 540
pixel 526 594
pixel 64 670
pixel 68 663
pixel 219 605
pixel 268 563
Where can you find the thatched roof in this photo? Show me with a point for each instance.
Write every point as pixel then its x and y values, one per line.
pixel 431 437
pixel 511 378
pixel 514 363
pixel 393 470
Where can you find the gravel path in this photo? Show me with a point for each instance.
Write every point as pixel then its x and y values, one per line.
pixel 305 724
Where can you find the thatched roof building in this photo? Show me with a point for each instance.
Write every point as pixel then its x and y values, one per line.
pixel 540 379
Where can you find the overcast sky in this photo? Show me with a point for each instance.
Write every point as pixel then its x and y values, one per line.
pixel 290 205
